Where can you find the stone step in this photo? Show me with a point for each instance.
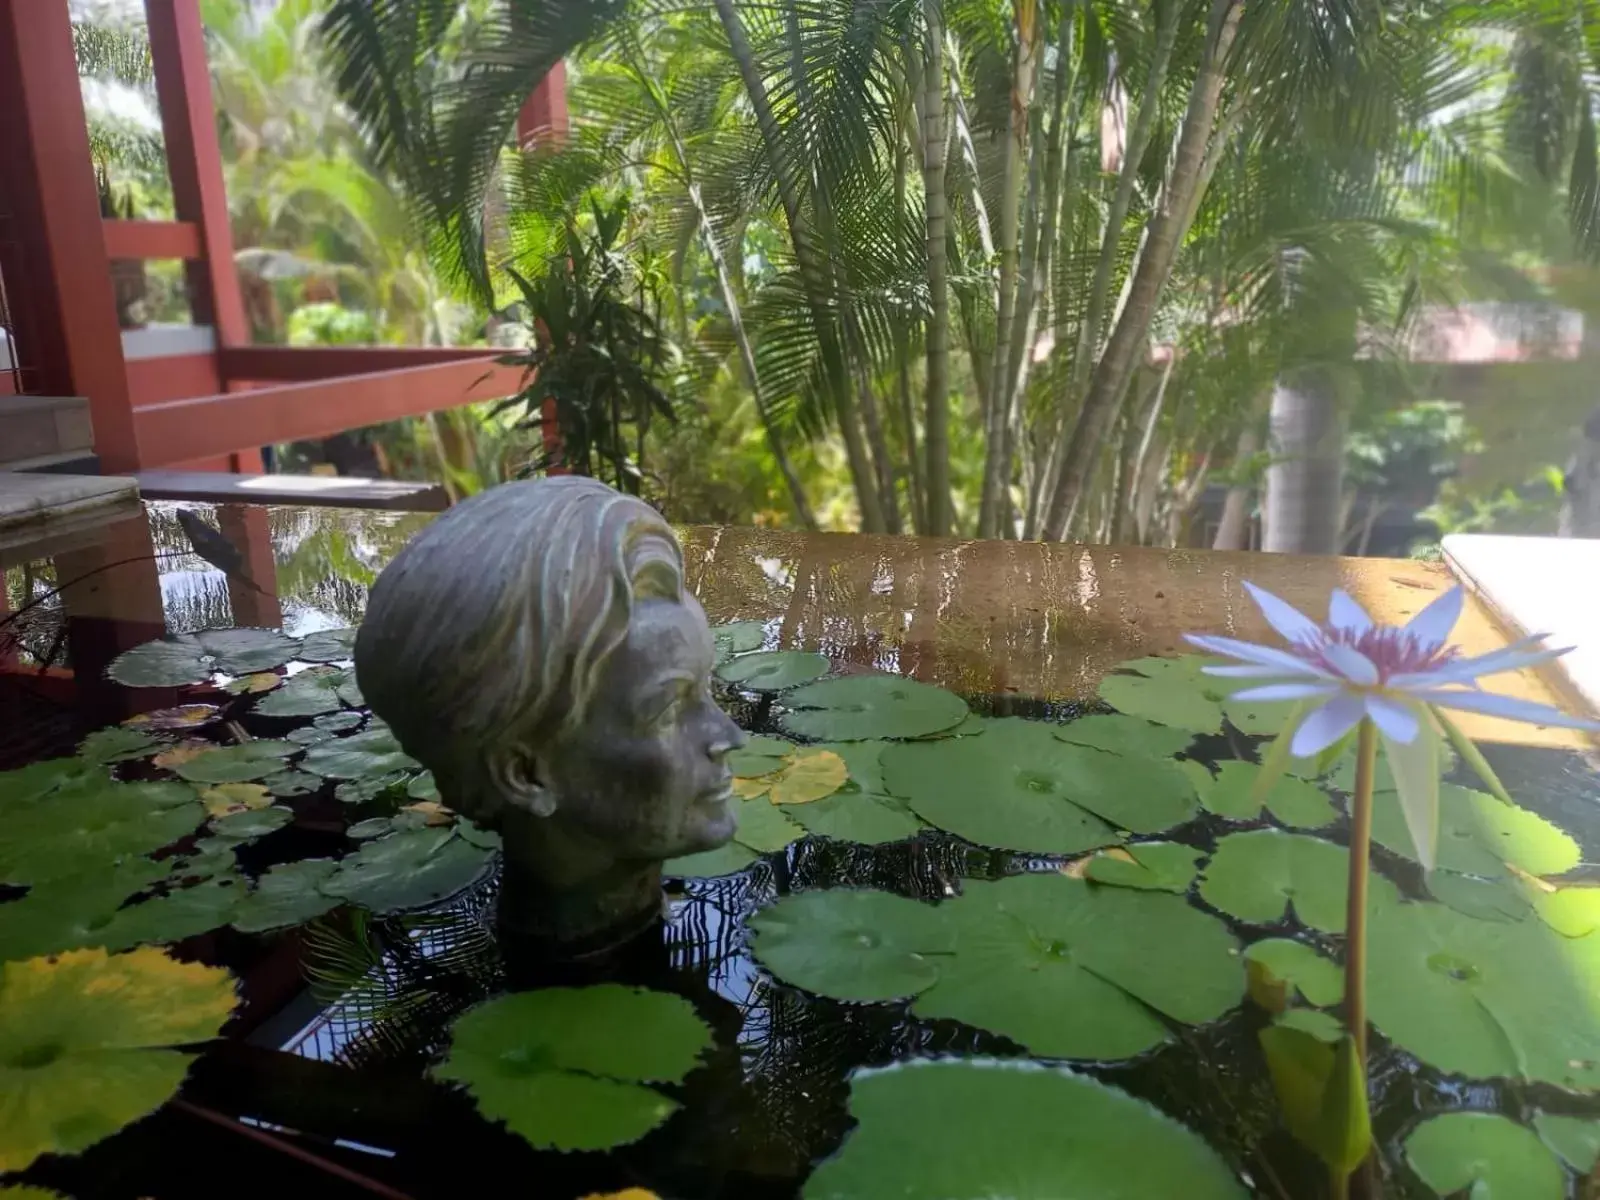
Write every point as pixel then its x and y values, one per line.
pixel 42 427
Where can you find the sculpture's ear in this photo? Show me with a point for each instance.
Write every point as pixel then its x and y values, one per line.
pixel 519 780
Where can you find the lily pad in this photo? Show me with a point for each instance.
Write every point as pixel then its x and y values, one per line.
pixel 1486 999
pixel 569 1068
pixel 184 913
pixel 41 778
pixel 979 1128
pixel 855 816
pixel 763 827
pixel 364 791
pixel 310 735
pixel 371 754
pixel 1576 1140
pixel 759 756
pixel 288 894
pixel 339 722
pixel 1486 1153
pixel 195 657
pixel 83 1044
pixel 1261 875
pixel 708 864
pixel 310 694
pixel 1229 793
pixel 774 670
pixel 407 870
pixel 328 645
pixel 1125 735
pixel 1148 866
pixel 1323 1026
pixel 1479 835
pixel 740 637
pixel 857 708
pixel 93 825
pixel 249 825
pixel 806 777
pixel 1257 720
pixel 1018 788
pixel 224 798
pixel 1571 911
pixel 1168 691
pixel 1011 956
pixel 1500 899
pixel 183 718
pixel 238 764
pixel 253 685
pixel 1282 963
pixel 291 783
pixel 72 911
pixel 116 744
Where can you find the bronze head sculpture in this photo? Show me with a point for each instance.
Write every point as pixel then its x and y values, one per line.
pixel 535 649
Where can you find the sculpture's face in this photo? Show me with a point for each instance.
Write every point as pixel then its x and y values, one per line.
pixel 646 774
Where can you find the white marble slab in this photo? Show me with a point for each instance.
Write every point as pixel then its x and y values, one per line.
pixel 27 496
pixel 1540 585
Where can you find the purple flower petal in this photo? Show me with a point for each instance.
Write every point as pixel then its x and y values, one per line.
pixel 1351 663
pixel 1345 613
pixel 1326 724
pixel 1394 718
pixel 1264 656
pixel 1509 707
pixel 1515 657
pixel 1285 691
pixel 1432 626
pixel 1288 620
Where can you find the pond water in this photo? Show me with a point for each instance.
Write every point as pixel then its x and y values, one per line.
pixel 320 1080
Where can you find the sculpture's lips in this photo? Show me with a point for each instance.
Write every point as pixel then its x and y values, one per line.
pixel 720 796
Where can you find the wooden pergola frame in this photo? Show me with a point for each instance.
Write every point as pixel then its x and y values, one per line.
pixel 211 409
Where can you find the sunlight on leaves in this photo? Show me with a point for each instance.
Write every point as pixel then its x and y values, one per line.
pixel 1168 691
pixel 1149 866
pixel 1265 874
pixel 1485 1153
pixel 1232 793
pixel 1277 968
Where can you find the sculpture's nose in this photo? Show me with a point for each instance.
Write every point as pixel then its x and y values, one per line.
pixel 725 738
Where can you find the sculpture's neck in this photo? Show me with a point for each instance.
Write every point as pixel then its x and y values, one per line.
pixel 562 890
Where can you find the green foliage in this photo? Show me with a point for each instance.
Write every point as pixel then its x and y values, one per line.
pixel 1486 1154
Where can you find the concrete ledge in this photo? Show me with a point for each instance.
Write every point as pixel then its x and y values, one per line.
pixel 36 499
pixel 333 491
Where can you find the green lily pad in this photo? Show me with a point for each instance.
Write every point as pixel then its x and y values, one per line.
pixel 1301 968
pixel 1486 1153
pixel 195 657
pixel 1124 735
pixel 288 894
pixel 1018 788
pixel 858 708
pixel 1576 1140
pixel 1323 1026
pixel 371 828
pixel 310 735
pixel 72 911
pixel 740 637
pixel 257 823
pixel 116 744
pixel 41 778
pixel 1168 691
pixel 423 787
pixel 774 670
pixel 238 764
pixel 309 694
pixel 407 870
pixel 1500 899
pixel 1228 793
pixel 759 756
pixel 856 816
pixel 83 1044
pixel 364 791
pixel 93 824
pixel 475 835
pixel 1486 999
pixel 291 783
pixel 1148 866
pixel 1011 956
pixel 184 913
pixel 1259 876
pixel 1257 720
pixel 341 722
pixel 1479 835
pixel 568 1068
pixel 980 1128
pixel 708 864
pixel 763 826
pixel 1571 911
pixel 371 754
pixel 328 645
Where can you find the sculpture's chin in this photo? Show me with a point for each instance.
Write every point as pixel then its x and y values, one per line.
pixel 711 825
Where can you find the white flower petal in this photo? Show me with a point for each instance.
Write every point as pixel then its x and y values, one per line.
pixel 1345 613
pixel 1265 656
pixel 1512 658
pixel 1351 663
pixel 1288 620
pixel 1509 707
pixel 1415 766
pixel 1395 718
pixel 1326 724
pixel 1432 626
pixel 1285 691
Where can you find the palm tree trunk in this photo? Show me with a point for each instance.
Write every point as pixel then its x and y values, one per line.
pixel 996 466
pixel 1168 226
pixel 811 268
pixel 936 399
pixel 1233 529
pixel 1305 476
pixel 902 349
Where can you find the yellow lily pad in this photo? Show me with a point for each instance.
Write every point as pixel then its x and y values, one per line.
pixel 226 798
pixel 811 776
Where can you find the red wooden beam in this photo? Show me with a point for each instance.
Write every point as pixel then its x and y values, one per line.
pixel 194 162
pixel 186 430
pixel 545 113
pixel 152 239
pixel 300 364
pixel 58 278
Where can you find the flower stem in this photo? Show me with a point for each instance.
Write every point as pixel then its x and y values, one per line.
pixel 1355 938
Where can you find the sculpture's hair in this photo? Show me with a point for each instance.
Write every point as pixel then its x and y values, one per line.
pixel 490 628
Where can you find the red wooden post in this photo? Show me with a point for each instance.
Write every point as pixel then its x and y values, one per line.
pixel 52 251
pixel 545 118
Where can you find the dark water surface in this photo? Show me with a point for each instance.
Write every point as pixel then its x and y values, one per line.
pixel 337 1071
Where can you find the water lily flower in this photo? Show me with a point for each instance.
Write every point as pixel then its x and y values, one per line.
pixel 1399 677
